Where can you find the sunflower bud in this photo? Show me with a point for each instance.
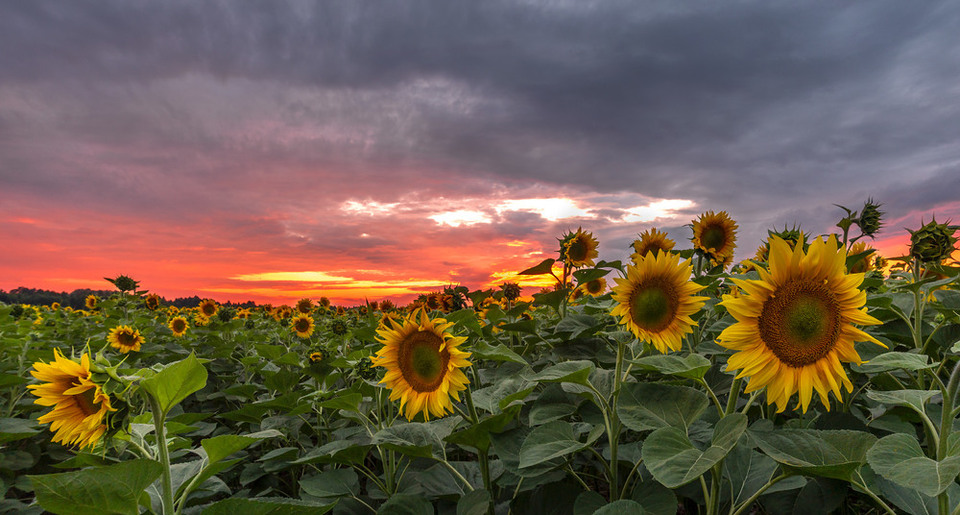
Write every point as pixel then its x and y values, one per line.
pixel 933 242
pixel 16 311
pixel 338 327
pixel 364 369
pixel 510 291
pixel 791 236
pixel 124 283
pixel 870 220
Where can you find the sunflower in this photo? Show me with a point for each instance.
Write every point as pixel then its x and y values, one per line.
pixel 208 307
pixel 651 240
pixel 423 365
pixel 316 357
pixel 152 301
pixel 865 263
pixel 595 287
pixel 178 325
pixel 125 338
pixel 656 299
pixel 79 404
pixel 579 248
pixel 304 306
pixel 90 302
pixel 302 325
pixel 715 234
pixel 200 321
pixel 387 305
pixel 795 324
pixel 55 306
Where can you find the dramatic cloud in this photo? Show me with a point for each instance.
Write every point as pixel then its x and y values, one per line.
pixel 206 147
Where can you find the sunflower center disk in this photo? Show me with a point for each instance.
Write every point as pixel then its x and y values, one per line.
pixel 303 325
pixel 577 251
pixel 179 325
pixel 86 401
pixel 714 237
pixel 800 323
pixel 125 338
pixel 422 364
pixel 653 306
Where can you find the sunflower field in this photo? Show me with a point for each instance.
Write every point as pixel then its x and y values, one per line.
pixel 816 377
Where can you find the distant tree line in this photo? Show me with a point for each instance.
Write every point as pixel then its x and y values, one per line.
pixel 76 298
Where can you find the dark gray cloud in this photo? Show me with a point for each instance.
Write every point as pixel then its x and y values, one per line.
pixel 772 111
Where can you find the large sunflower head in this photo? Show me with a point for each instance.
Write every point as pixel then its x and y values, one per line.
pixel 79 405
pixel 579 248
pixel 653 241
pixel 208 307
pixel 795 324
pixel 178 325
pixel 304 306
pixel 125 339
pixel 91 302
pixel 715 234
pixel 422 361
pixel 302 325
pixel 656 300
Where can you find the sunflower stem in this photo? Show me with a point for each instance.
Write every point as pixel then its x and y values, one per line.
pixel 613 426
pixel 481 453
pixel 734 395
pixel 163 453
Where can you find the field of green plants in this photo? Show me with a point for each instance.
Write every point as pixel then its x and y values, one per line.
pixel 816 377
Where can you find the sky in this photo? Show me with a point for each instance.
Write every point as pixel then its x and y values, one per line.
pixel 271 151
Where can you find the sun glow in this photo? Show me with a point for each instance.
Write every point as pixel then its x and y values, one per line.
pixel 660 209
pixel 551 209
pixel 461 217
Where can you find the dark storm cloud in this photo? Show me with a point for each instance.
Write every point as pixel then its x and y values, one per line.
pixel 773 111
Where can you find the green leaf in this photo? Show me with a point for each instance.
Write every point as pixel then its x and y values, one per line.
pixel 345 401
pixel 337 451
pixel 588 274
pixel 890 361
pixel 266 506
pixel 646 406
pixel 175 382
pixel 674 461
pixel 749 470
pixel 577 324
pixel 552 299
pixel 577 372
pixel 588 502
pixel 544 267
pixel 95 491
pixel 406 504
pixel 332 484
pixel 219 447
pixel 553 404
pixel 478 435
pixel 621 507
pixel 521 326
pixel 548 442
pixel 913 399
pixel 501 352
pixel 413 439
pixel 900 459
pixel 835 454
pixel 474 503
pixel 12 429
pixel 693 366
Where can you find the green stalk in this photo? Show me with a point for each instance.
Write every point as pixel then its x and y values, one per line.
pixel 481 453
pixel 946 426
pixel 613 426
pixel 164 454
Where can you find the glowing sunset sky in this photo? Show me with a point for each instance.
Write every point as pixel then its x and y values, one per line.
pixel 276 150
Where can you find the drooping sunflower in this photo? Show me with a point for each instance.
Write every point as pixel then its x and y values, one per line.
pixel 656 300
pixel 579 249
pixel 423 365
pixel 316 357
pixel 55 306
pixel 795 324
pixel 302 325
pixel 178 325
pixel 651 240
pixel 208 307
pixel 304 306
pixel 91 302
pixel 200 321
pixel 152 301
pixel 79 404
pixel 125 339
pixel 715 234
